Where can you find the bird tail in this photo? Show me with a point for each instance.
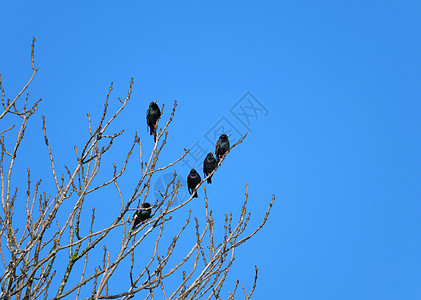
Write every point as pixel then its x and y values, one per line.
pixel 195 195
pixel 134 226
pixel 210 179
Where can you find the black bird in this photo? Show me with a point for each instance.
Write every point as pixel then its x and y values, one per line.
pixel 142 214
pixel 222 146
pixel 152 116
pixel 209 164
pixel 192 180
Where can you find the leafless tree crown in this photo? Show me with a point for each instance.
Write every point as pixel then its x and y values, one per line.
pixel 50 254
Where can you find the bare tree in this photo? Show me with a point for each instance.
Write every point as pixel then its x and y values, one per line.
pixel 50 254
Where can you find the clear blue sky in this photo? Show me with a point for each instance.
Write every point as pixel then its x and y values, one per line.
pixel 340 144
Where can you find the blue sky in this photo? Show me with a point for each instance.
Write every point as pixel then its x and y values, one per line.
pixel 339 146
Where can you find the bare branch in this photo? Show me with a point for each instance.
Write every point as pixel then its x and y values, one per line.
pixel 24 88
pixel 59 234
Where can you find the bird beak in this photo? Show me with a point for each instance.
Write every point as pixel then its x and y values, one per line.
pixel 228 135
pixel 156 101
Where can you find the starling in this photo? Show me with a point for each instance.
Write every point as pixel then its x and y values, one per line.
pixel 192 181
pixel 152 116
pixel 209 164
pixel 142 214
pixel 222 146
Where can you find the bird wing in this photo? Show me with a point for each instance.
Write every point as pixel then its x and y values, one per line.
pixel 148 117
pixel 217 147
pixel 213 164
pixel 135 219
pixel 189 183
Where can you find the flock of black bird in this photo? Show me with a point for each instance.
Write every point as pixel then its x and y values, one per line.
pixel 209 164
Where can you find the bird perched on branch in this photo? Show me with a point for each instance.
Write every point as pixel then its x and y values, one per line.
pixel 152 116
pixel 142 214
pixel 192 181
pixel 222 146
pixel 209 164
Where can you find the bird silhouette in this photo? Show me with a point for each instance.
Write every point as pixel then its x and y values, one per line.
pixel 192 181
pixel 142 214
pixel 222 146
pixel 152 116
pixel 209 164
